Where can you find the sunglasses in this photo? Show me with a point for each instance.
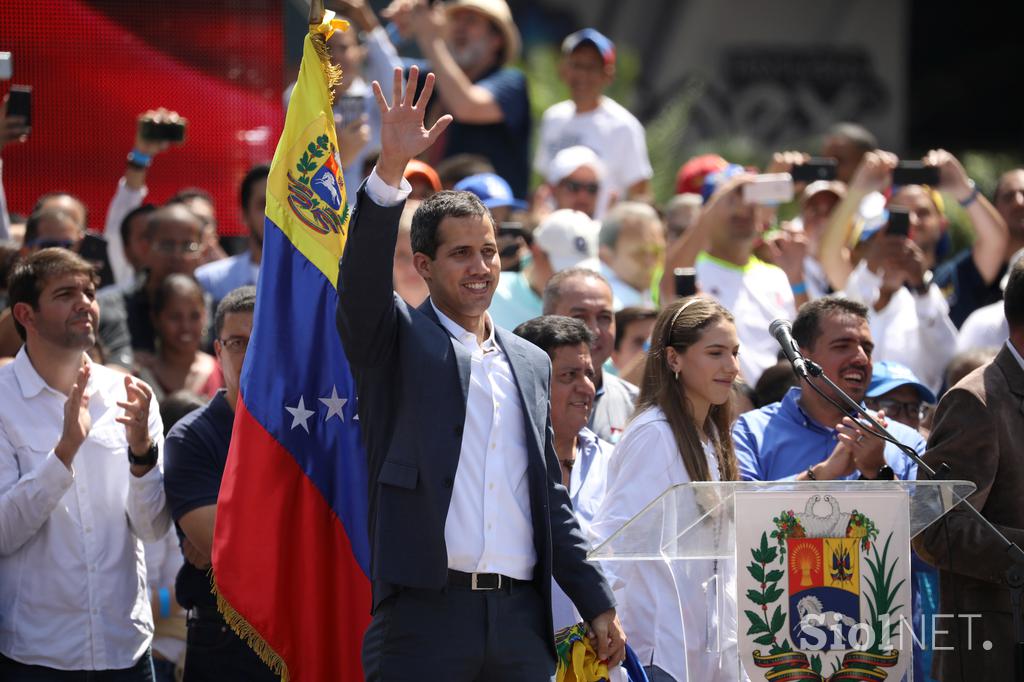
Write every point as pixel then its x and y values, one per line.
pixel 588 187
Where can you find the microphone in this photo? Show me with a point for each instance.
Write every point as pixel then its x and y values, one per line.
pixel 782 331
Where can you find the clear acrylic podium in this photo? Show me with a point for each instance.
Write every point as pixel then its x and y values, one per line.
pixel 697 522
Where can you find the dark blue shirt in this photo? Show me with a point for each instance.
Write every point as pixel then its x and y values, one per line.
pixel 195 453
pixel 964 287
pixel 505 144
pixel 780 441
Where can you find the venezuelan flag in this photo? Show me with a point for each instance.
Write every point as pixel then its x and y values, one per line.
pixel 291 551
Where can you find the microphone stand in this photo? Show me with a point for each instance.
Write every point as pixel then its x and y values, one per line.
pixel 1014 575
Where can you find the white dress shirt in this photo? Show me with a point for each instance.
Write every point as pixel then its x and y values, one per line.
pixel 124 201
pixel 489 528
pixel 72 576
pixel 662 604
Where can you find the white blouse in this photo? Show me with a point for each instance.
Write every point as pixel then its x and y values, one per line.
pixel 662 604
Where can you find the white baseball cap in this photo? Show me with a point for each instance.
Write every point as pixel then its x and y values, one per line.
pixel 569 238
pixel 566 161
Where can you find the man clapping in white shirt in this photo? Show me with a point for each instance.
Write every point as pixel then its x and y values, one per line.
pixel 79 488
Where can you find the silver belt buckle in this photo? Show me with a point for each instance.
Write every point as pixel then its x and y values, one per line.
pixel 476 588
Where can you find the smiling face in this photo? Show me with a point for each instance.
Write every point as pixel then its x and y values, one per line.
pixel 474 41
pixel 180 322
pixel 462 275
pixel 572 388
pixel 708 367
pixel 578 191
pixel 843 349
pixel 585 73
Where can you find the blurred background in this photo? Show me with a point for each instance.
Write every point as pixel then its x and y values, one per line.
pixel 737 77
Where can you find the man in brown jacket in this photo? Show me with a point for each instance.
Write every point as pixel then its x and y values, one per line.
pixel 979 432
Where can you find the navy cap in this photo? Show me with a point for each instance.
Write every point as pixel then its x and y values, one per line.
pixel 888 375
pixel 605 47
pixel 492 189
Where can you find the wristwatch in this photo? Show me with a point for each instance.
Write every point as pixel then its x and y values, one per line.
pixel 885 473
pixel 146 459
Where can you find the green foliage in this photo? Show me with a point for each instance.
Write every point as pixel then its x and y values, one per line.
pixel 765 597
pixel 882 595
pixel 306 164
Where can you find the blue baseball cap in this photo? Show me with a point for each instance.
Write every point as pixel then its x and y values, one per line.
pixel 888 375
pixel 492 189
pixel 712 181
pixel 605 47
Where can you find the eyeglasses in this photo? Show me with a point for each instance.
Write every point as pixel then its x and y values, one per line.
pixel 588 187
pixel 184 248
pixel 897 408
pixel 235 344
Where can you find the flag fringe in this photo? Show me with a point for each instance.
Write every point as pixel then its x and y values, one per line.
pixel 331 71
pixel 250 635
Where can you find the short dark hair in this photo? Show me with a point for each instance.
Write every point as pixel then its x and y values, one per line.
pixel 255 174
pixel 187 194
pixel 553 289
pixel 38 216
pixel 773 384
pixel 173 285
pixel 461 166
pixel 628 316
pixel 807 325
pixel 1013 296
pixel 167 213
pixel 240 300
pixel 551 332
pixel 31 275
pixel 445 204
pixel 126 231
pixel 856 134
pixel 177 405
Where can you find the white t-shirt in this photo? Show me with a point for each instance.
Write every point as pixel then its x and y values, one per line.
pixel 610 130
pixel 756 294
pixel 662 604
pixel 986 327
pixel 912 329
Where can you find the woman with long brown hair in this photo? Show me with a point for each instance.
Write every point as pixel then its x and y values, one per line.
pixel 679 433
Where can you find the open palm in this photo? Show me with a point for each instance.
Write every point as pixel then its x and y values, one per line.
pixel 402 135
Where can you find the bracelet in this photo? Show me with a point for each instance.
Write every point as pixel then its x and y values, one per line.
pixel 799 289
pixel 140 160
pixel 165 602
pixel 810 474
pixel 972 197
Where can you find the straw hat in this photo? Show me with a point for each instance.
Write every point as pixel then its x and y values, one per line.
pixel 500 14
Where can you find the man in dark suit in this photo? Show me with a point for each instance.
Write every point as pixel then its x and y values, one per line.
pixel 468 517
pixel 979 431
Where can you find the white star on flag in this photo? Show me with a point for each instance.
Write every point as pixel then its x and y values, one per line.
pixel 300 415
pixel 334 405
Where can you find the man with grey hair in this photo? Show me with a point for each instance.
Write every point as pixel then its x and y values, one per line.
pixel 586 295
pixel 632 247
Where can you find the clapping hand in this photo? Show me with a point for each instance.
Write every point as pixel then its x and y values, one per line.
pixel 402 135
pixel 77 420
pixel 136 414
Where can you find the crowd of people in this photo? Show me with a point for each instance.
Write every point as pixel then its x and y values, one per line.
pixel 654 358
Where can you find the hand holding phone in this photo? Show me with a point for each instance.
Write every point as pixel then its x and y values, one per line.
pixel 899 223
pixel 685 281
pixel 814 169
pixel 915 173
pixel 158 129
pixel 769 189
pixel 14 126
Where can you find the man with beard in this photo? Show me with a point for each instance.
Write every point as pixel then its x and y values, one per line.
pixel 804 437
pixel 79 489
pixel 223 276
pixel 469 44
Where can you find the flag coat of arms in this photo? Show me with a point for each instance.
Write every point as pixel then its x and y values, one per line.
pixel 291 551
pixel 823 585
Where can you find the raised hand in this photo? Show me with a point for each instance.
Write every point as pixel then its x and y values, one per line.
pixel 402 135
pixel 136 414
pixel 77 420
pixel 12 128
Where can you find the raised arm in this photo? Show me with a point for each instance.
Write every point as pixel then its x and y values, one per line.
pixel 366 299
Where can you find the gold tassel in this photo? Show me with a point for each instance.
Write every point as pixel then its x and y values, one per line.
pixel 319 33
pixel 249 635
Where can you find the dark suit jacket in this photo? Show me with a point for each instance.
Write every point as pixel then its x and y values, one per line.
pixel 979 432
pixel 412 384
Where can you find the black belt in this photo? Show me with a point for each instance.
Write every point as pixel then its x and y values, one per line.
pixel 207 613
pixel 483 582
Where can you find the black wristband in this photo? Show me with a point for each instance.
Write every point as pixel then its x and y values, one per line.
pixel 146 459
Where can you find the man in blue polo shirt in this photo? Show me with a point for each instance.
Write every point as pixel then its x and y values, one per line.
pixel 196 452
pixel 804 437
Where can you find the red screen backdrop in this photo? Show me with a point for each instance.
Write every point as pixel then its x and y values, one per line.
pixel 95 65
